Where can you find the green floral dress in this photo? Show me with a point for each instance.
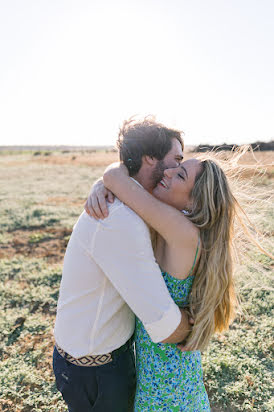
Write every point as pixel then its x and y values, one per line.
pixel 168 379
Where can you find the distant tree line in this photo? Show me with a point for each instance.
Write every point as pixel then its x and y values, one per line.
pixel 262 146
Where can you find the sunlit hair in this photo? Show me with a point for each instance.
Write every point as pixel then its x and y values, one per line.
pixel 217 214
pixel 138 138
pixel 213 298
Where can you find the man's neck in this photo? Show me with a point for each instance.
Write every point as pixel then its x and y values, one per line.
pixel 144 180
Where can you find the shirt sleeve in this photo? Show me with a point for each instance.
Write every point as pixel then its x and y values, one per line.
pixel 123 250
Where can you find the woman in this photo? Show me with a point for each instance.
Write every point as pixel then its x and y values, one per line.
pixel 192 213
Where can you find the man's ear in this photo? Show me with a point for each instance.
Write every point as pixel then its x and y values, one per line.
pixel 149 160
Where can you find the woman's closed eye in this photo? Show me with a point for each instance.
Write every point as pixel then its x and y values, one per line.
pixel 181 176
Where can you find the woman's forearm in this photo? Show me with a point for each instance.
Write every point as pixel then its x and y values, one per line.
pixel 165 219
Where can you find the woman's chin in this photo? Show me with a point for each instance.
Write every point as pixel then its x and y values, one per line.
pixel 158 193
pixel 155 192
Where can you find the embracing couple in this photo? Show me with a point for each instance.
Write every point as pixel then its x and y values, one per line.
pixel 152 267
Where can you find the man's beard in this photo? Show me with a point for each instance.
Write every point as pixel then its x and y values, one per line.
pixel 158 173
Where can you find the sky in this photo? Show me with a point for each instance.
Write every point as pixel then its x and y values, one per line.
pixel 72 70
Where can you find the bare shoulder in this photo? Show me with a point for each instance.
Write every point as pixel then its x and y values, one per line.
pixel 181 256
pixel 186 234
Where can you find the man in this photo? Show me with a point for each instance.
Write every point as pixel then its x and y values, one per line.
pixel 109 275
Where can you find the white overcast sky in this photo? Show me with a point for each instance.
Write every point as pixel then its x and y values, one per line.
pixel 72 70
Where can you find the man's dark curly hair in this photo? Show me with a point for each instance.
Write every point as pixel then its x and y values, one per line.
pixel 144 138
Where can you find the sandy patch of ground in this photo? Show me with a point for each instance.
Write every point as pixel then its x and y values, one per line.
pixel 71 159
pixel 49 243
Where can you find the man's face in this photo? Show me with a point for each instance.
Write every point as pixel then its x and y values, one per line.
pixel 172 159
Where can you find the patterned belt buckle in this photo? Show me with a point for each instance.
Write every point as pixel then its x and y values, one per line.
pixel 97 360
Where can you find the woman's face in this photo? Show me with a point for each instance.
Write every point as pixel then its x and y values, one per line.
pixel 177 183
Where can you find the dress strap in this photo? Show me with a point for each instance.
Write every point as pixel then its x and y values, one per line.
pixel 196 254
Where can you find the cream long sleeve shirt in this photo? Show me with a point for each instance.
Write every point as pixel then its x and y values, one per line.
pixel 110 274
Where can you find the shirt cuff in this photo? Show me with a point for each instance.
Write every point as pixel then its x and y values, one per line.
pixel 163 328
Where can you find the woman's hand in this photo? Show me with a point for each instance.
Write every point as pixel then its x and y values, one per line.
pixel 114 172
pixel 96 204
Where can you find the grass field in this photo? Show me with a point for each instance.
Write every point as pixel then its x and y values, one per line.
pixel 41 196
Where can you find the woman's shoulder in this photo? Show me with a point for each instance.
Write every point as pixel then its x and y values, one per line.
pixel 186 235
pixel 182 256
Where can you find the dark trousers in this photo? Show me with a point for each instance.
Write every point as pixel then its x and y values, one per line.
pixel 105 388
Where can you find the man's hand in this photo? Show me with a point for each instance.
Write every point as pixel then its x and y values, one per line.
pixel 96 204
pixel 183 346
pixel 182 331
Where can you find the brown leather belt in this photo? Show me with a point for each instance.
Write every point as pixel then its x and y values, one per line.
pixel 94 360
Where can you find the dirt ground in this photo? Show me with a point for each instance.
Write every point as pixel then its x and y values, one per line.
pixel 51 244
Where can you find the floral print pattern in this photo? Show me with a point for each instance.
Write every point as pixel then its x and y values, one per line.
pixel 168 379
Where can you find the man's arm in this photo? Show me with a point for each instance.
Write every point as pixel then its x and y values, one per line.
pixel 122 248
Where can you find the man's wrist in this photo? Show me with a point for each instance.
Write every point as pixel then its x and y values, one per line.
pixel 165 327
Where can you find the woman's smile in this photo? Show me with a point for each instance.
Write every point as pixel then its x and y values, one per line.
pixel 163 183
pixel 178 183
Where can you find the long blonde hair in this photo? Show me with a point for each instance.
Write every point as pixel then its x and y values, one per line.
pixel 222 223
pixel 213 298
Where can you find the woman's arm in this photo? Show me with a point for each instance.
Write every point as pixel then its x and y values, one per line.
pixel 169 222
